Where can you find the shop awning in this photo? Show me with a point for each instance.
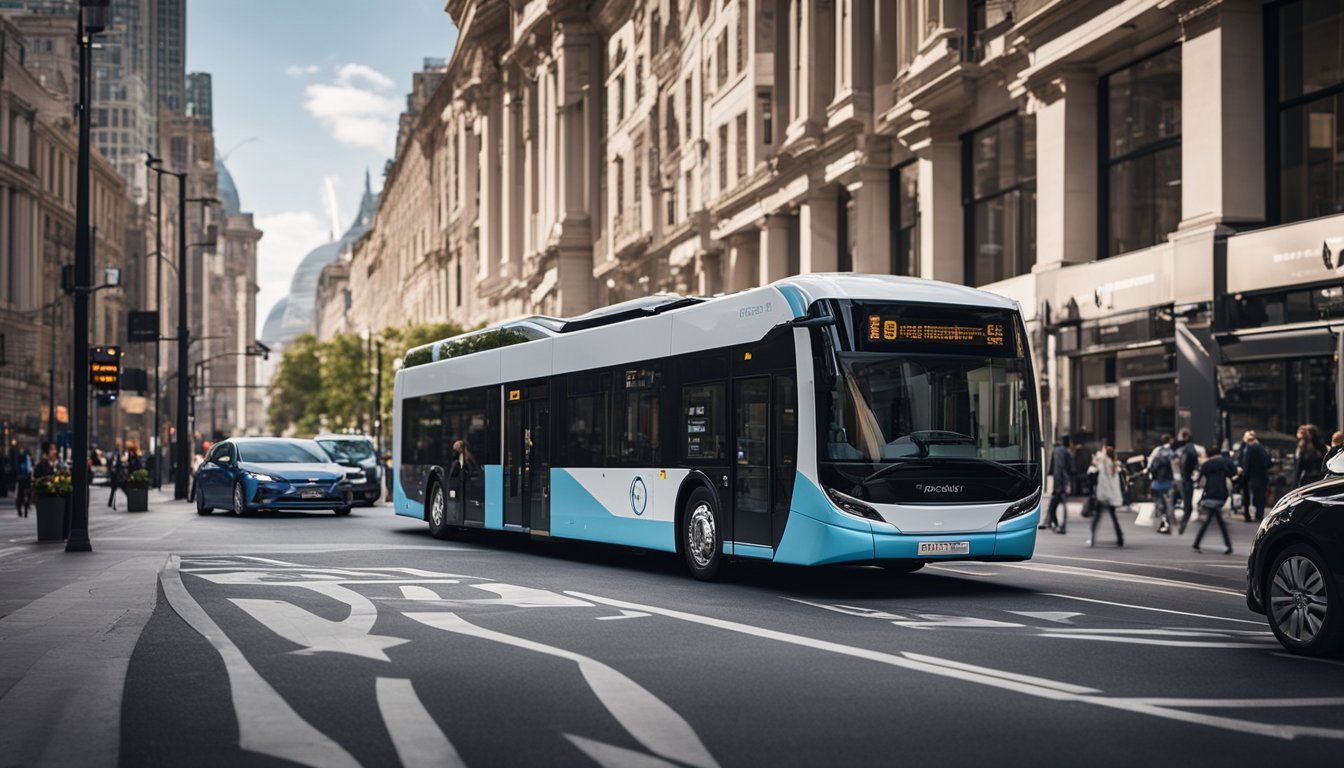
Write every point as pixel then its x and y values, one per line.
pixel 1302 342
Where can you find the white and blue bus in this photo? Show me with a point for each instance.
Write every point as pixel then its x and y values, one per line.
pixel 820 419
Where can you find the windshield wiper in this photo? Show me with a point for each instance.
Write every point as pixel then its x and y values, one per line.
pixel 925 461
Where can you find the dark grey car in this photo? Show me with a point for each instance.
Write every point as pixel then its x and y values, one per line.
pixel 360 459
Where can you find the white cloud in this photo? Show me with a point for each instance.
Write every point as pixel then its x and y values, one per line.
pixel 286 238
pixel 356 108
pixel 299 70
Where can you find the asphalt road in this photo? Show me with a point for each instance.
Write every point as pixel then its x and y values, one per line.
pixel 333 641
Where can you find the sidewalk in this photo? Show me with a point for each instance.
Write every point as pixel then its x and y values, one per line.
pixel 68 625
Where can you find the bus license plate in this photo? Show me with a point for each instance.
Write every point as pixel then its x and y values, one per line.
pixel 312 494
pixel 944 548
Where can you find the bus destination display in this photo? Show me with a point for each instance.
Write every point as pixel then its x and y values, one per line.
pixel 991 334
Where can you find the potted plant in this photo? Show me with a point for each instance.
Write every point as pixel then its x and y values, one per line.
pixel 136 486
pixel 52 494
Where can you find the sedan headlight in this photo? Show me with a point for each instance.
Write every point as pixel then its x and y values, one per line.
pixel 355 477
pixel 265 478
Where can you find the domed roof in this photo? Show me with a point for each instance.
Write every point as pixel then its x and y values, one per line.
pixel 271 329
pixel 227 190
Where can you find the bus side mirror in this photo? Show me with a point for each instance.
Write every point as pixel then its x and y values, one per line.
pixel 1335 464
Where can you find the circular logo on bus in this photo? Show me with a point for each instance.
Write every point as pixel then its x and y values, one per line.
pixel 639 496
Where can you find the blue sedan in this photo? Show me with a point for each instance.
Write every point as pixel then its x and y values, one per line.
pixel 247 474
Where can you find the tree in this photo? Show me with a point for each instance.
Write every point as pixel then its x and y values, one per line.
pixel 396 342
pixel 296 386
pixel 347 384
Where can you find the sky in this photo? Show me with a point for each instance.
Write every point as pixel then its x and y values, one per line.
pixel 306 98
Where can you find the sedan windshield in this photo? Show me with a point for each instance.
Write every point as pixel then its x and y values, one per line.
pixel 348 450
pixel 892 408
pixel 280 453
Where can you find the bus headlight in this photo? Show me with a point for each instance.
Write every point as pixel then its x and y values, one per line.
pixel 853 506
pixel 1020 508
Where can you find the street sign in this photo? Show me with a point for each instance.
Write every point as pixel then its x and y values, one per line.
pixel 134 380
pixel 105 368
pixel 143 327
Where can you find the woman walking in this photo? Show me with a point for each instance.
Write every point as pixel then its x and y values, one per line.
pixel 1217 470
pixel 1310 456
pixel 1107 492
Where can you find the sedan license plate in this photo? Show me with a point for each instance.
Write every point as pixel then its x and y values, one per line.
pixel 311 494
pixel 944 548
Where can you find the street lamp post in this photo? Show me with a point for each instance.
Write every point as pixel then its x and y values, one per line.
pixel 153 162
pixel 91 21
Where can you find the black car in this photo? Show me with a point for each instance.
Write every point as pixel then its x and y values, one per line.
pixel 1296 572
pixel 356 453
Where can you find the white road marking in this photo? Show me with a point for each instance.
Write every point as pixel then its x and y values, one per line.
pixel 612 756
pixel 850 610
pixel 1030 679
pixel 952 669
pixel 938 621
pixel 419 741
pixel 1150 608
pixel 1058 617
pixel 961 571
pixel 266 723
pixel 527 597
pixel 624 615
pixel 314 634
pixel 1321 701
pixel 418 593
pixel 11 550
pixel 1131 640
pixel 651 722
pixel 1131 578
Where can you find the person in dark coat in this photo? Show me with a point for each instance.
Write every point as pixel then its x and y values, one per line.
pixel 1061 475
pixel 1187 455
pixel 1216 471
pixel 1255 463
pixel 1309 461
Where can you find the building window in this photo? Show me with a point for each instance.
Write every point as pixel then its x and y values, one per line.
pixel 905 219
pixel 766 105
pixel 689 186
pixel 639 79
pixel 721 60
pixel 619 172
pixel 742 146
pixel 723 157
pixel 673 132
pixel 1000 199
pixel 741 35
pixel 620 99
pixel 846 230
pixel 987 18
pixel 916 20
pixel 687 93
pixel 1309 81
pixel 1141 116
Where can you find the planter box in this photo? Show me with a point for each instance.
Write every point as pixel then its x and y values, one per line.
pixel 137 499
pixel 53 517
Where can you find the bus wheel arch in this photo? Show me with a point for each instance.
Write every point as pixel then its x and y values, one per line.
pixel 695 494
pixel 435 477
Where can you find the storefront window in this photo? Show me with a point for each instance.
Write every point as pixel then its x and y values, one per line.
pixel 1001 200
pixel 1310 86
pixel 1274 397
pixel 1095 394
pixel 1142 118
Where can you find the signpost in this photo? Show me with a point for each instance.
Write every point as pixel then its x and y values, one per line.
pixel 105 369
pixel 143 327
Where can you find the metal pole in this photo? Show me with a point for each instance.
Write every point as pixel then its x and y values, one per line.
pixel 378 397
pixel 158 332
pixel 78 540
pixel 183 340
pixel 51 376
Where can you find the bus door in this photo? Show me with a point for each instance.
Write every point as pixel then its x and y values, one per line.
pixel 751 464
pixel 527 470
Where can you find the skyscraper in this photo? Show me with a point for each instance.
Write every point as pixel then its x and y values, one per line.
pixel 170 52
pixel 199 98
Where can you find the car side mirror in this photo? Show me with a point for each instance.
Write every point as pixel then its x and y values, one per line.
pixel 1335 464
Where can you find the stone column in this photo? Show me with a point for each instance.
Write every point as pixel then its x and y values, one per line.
pixel 742 266
pixel 942 253
pixel 872 220
pixel 492 140
pixel 511 255
pixel 818 219
pixel 1222 95
pixel 1066 170
pixel 773 251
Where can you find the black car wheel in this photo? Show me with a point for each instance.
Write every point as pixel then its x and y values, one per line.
pixel 201 509
pixel 341 511
pixel 438 515
pixel 239 500
pixel 700 540
pixel 1304 603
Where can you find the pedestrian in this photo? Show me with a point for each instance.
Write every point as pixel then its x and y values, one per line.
pixel 23 485
pixel 1254 463
pixel 387 473
pixel 1108 492
pixel 134 461
pixel 1061 477
pixel 1309 459
pixel 1216 471
pixel 115 469
pixel 48 464
pixel 1161 475
pixel 1188 458
pixel 1336 445
pixel 9 469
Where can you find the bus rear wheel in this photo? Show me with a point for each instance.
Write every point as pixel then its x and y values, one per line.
pixel 438 515
pixel 700 536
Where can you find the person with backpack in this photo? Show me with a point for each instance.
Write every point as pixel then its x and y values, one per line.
pixel 1188 457
pixel 23 485
pixel 1216 471
pixel 1161 475
pixel 1255 462
pixel 116 471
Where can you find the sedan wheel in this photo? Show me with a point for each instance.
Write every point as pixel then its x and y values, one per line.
pixel 239 502
pixel 1304 602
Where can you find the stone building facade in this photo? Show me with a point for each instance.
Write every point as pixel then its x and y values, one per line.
pixel 1155 181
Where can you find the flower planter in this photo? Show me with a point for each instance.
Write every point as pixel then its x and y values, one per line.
pixel 137 499
pixel 53 517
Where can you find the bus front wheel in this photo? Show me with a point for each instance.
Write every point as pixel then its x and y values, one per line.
pixel 700 536
pixel 438 515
